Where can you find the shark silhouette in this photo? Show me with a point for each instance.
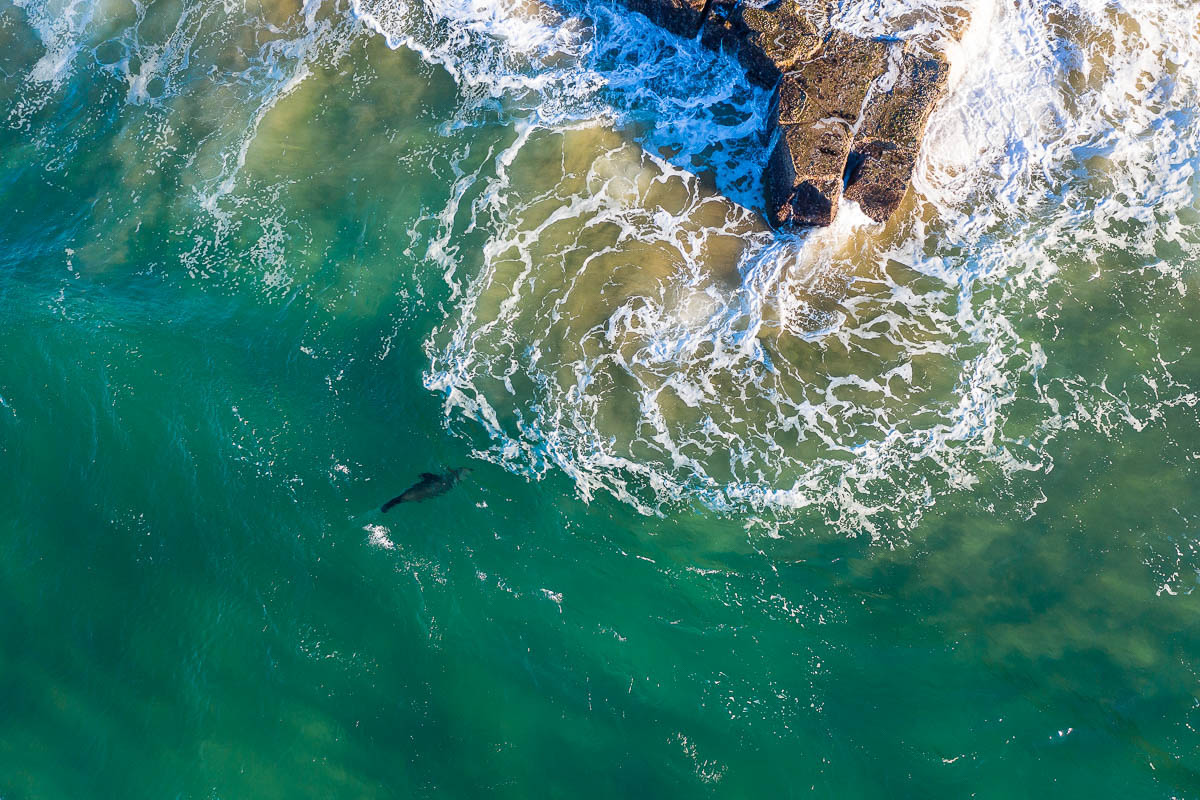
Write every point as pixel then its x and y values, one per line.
pixel 431 485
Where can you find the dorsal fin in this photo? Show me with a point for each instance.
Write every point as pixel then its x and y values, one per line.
pixel 430 476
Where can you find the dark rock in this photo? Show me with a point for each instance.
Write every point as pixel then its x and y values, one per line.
pixel 847 115
pixel 682 17
pixel 767 42
pixel 838 77
pixel 888 141
pixel 817 106
pixel 804 174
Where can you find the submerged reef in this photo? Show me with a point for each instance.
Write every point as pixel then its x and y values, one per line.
pixel 847 113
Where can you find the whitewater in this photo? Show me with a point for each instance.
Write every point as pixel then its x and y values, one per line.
pixel 620 312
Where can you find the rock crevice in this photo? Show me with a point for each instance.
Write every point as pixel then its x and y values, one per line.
pixel 847 114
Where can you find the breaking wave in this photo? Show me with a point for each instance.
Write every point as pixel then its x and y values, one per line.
pixel 631 322
pixel 619 310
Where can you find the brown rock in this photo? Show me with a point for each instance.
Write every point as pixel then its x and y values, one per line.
pixel 767 42
pixel 949 22
pixel 848 114
pixel 791 100
pixel 838 77
pixel 817 106
pixel 804 174
pixel 888 141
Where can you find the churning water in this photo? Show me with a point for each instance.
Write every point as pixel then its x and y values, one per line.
pixel 626 318
pixel 619 311
pixel 873 503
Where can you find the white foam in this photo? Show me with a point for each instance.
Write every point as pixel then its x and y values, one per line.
pixel 630 321
pixel 379 536
pixel 795 387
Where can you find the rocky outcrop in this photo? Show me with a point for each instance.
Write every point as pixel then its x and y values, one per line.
pixel 683 17
pixel 767 42
pixel 848 114
pixel 888 139
pixel 816 114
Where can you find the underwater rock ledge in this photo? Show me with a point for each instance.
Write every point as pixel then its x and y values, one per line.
pixel 847 114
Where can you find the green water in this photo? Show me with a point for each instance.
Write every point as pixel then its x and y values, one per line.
pixel 211 376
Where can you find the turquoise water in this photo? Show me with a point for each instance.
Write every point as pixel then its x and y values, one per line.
pixel 903 512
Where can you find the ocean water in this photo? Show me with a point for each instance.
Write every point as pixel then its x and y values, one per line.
pixel 876 511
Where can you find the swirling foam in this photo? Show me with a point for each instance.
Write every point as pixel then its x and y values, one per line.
pixel 643 333
pixel 622 314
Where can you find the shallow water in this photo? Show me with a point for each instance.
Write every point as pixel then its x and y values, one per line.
pixel 902 510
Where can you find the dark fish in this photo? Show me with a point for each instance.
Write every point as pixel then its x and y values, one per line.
pixel 431 485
